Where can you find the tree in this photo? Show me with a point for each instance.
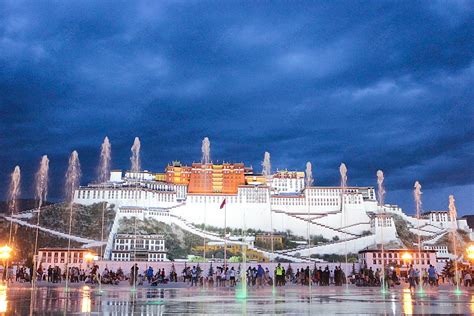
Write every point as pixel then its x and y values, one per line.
pixel 448 270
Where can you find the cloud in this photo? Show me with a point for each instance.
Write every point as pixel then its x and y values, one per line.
pixel 374 85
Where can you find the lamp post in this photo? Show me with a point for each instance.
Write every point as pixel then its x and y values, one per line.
pixel 88 257
pixel 407 257
pixel 470 253
pixel 5 254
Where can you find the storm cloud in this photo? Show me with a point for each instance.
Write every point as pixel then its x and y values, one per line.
pixel 377 85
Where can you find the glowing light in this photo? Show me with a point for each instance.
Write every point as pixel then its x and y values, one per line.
pixel 241 292
pixel 458 291
pixel 3 299
pixel 470 252
pixel 407 256
pixel 89 257
pixel 5 252
pixel 421 292
pixel 472 303
pixel 86 300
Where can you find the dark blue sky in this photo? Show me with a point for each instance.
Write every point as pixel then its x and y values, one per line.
pixel 377 85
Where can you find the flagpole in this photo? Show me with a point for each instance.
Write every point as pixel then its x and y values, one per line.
pixel 225 234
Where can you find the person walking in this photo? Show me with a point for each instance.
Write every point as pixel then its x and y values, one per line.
pixel 232 276
pixel 278 275
pixel 134 275
pixel 260 274
pixel 412 278
pixel 194 276
pixel 149 274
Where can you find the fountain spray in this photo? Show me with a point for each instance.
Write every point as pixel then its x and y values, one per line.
pixel 73 176
pixel 242 293
pixel 266 164
pixel 206 151
pixel 135 168
pixel 309 174
pixel 205 160
pixel 343 173
pixel 381 197
pixel 135 158
pixel 105 157
pixel 272 244
pixel 417 195
pixel 41 193
pixel 308 182
pixel 104 172
pixel 453 216
pixel 13 195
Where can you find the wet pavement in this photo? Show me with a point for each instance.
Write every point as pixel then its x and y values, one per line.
pixel 293 300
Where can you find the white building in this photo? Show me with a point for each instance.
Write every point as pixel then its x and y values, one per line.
pixel 288 182
pixel 440 219
pixel 442 253
pixel 282 205
pixel 57 257
pixel 383 227
pixel 128 247
pixel 403 258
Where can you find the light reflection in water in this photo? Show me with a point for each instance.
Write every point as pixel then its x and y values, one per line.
pixel 472 303
pixel 407 302
pixel 119 301
pixel 394 306
pixel 3 299
pixel 86 300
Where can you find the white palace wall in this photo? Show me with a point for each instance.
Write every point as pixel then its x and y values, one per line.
pixel 250 208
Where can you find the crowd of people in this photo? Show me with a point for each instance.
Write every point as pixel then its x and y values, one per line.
pixel 255 276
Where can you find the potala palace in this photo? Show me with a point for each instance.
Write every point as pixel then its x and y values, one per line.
pixel 280 201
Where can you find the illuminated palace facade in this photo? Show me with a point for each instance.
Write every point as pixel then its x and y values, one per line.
pixel 279 202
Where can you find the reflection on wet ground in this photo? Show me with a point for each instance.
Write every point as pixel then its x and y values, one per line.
pixel 121 300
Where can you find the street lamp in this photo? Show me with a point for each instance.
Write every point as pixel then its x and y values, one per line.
pixel 5 252
pixel 470 252
pixel 89 257
pixel 406 256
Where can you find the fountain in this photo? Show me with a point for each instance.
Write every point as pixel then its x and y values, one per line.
pixel 13 195
pixel 343 172
pixel 41 193
pixel 272 245
pixel 381 197
pixel 73 176
pixel 206 159
pixel 241 292
pixel 105 157
pixel 206 151
pixel 308 183
pixel 309 175
pixel 453 217
pixel 417 195
pixel 135 168
pixel 104 171
pixel 135 158
pixel 266 164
